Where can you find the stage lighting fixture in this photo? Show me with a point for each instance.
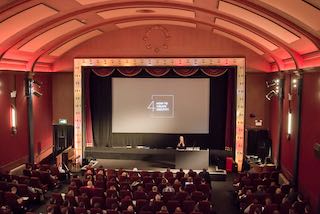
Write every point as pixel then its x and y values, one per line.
pixel 289 124
pixel 271 94
pixel 36 93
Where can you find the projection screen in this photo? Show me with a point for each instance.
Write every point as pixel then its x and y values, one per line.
pixel 167 105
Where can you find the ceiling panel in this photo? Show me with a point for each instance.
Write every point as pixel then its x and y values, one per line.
pixel 155 22
pixel 110 14
pixel 50 35
pixel 24 19
pixel 300 10
pixel 236 39
pixel 259 21
pixel 72 43
pixel 251 35
pixel 86 2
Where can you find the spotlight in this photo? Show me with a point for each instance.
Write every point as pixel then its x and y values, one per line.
pixel 36 93
pixel 271 94
pixel 270 83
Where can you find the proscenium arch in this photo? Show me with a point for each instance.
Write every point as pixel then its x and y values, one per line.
pixel 149 62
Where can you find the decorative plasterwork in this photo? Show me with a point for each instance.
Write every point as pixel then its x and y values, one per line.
pixel 128 62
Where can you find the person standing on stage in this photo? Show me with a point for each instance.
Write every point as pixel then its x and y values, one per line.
pixel 181 144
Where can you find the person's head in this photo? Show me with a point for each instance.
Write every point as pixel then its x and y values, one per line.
pixel 100 172
pixel 89 172
pixel 154 189
pixel 273 184
pixel 114 206
pixel 140 188
pixel 276 212
pixel 307 209
pixel 260 188
pixel 178 210
pixel 203 181
pixel 163 209
pixel 257 211
pixel 278 191
pixel 81 204
pixel 248 192
pixel 96 205
pixel 70 192
pixel 181 138
pixel 89 183
pixel 157 197
pixel 190 179
pixel 14 181
pixel 124 174
pixel 268 201
pixel 112 187
pixel 14 190
pixel 181 170
pixel 300 197
pixel 176 182
pixel 204 170
pixel 130 208
pixel 168 170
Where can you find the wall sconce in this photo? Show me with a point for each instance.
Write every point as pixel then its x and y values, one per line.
pixel 272 83
pixel 294 83
pixel 13 119
pixel 289 131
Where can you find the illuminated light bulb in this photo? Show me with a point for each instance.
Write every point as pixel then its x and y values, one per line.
pixel 289 123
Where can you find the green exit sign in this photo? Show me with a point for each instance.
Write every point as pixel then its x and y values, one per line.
pixel 63 121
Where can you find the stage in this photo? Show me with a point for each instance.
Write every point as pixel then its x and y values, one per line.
pixel 153 159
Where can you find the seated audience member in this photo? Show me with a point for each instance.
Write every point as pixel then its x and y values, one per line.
pixel 299 205
pixel 130 209
pixel 189 181
pixel 164 209
pixel 205 175
pixel 168 188
pixel 247 209
pixel 178 210
pixel 292 195
pixel 276 212
pixel 157 197
pixel 278 196
pixel 154 189
pixel 90 184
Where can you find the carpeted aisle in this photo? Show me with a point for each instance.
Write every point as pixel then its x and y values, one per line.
pixel 222 197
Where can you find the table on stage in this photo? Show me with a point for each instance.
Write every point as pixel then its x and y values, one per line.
pixel 192 158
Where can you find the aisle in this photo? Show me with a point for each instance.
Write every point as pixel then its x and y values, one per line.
pixel 222 196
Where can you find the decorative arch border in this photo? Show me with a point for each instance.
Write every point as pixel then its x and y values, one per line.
pixel 128 62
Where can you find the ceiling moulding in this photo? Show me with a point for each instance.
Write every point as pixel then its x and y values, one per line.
pixel 76 41
pixel 259 21
pixel 24 19
pixel 155 22
pixel 111 14
pixel 236 39
pixel 251 35
pixel 299 10
pixel 86 2
pixel 50 35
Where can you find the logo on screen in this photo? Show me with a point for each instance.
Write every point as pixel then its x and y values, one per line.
pixel 161 106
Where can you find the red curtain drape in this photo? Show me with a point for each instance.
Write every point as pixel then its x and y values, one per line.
pixel 103 72
pixel 214 72
pixel 185 72
pixel 129 71
pixel 157 72
pixel 89 133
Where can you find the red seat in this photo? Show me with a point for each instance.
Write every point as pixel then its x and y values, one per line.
pixel 157 205
pixel 99 200
pixel 147 179
pixel 110 202
pixel 148 186
pixel 80 210
pixel 139 195
pixel 172 205
pixel 56 198
pixel 197 196
pixel 168 196
pixel 124 193
pixel 140 203
pixel 112 193
pixel 188 205
pixel 254 207
pixel 204 207
pixel 98 192
pixel 96 211
pixel 190 188
pixel 270 208
pixel 181 196
pixel 125 203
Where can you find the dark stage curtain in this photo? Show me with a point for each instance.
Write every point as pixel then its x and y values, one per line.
pixel 101 112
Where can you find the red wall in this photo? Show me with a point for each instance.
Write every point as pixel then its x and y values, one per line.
pixel 42 115
pixel 13 148
pixel 288 144
pixel 309 165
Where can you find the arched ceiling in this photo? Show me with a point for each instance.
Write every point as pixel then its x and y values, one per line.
pixel 34 34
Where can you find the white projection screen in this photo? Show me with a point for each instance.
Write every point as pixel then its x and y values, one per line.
pixel 166 105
